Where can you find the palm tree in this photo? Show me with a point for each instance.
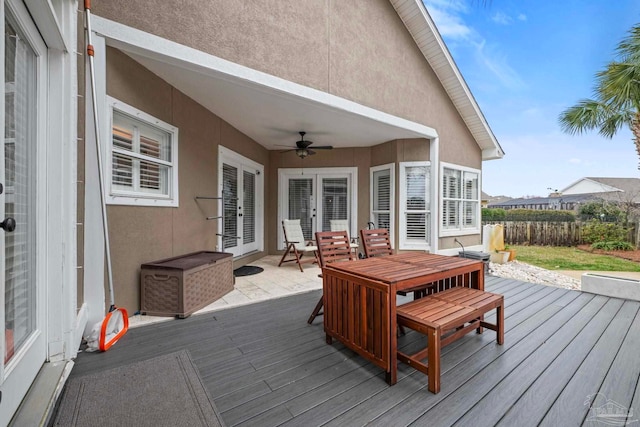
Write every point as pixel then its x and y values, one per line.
pixel 616 100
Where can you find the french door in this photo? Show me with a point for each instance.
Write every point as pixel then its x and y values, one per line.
pixel 23 341
pixel 317 197
pixel 241 204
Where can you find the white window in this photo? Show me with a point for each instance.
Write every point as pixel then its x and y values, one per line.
pixel 382 198
pixel 460 200
pixel 142 158
pixel 415 205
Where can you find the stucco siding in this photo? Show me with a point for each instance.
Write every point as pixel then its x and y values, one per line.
pixel 359 50
pixel 144 234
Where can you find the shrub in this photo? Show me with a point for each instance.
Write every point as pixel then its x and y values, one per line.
pixel 597 231
pixel 497 214
pixel 493 214
pixel 613 246
pixel 603 211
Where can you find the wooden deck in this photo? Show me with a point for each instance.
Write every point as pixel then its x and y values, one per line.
pixel 265 366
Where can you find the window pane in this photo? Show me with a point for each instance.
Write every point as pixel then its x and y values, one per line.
pixel 382 220
pixel 381 190
pixel 416 185
pixel 451 184
pixel 153 177
pixel 122 174
pixel 450 213
pixel 470 214
pixel 471 186
pixel 334 201
pixel 122 136
pixel 416 229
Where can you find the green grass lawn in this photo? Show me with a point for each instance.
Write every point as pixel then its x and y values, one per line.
pixel 560 258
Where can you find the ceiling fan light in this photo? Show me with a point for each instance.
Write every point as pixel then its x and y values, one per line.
pixel 302 152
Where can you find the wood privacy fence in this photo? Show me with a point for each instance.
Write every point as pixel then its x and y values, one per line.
pixel 543 233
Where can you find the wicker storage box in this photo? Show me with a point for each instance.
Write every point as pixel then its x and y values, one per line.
pixel 181 285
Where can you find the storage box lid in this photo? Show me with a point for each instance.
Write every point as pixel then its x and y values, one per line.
pixel 189 261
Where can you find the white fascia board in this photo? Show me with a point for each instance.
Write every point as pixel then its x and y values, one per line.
pixel 148 45
pixel 416 19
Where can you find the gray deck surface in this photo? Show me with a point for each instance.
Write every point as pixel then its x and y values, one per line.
pixel 265 366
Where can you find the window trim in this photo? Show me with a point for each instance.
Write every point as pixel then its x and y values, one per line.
pixel 131 198
pixel 402 201
pixel 391 167
pixel 460 231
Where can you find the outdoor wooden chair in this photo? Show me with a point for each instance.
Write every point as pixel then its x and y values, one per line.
pixel 376 242
pixel 332 246
pixel 343 225
pixel 297 245
pixel 445 317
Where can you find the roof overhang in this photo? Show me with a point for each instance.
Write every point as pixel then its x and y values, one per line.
pixel 426 35
pixel 268 109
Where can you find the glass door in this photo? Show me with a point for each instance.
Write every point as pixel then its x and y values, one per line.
pixel 316 198
pixel 241 205
pixel 302 204
pixel 23 341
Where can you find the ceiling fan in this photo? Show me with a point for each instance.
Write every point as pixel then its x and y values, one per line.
pixel 303 149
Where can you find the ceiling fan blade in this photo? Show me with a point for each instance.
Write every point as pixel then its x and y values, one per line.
pixel 323 147
pixel 310 152
pixel 302 144
pixel 286 151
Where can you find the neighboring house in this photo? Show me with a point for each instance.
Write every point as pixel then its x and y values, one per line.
pixel 611 189
pixel 624 191
pixel 554 202
pixel 488 200
pixel 200 99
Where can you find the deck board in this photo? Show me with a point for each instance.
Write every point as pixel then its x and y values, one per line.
pixel 264 366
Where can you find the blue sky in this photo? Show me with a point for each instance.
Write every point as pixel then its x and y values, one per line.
pixel 525 62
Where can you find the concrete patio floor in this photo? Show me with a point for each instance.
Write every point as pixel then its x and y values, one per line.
pixel 273 282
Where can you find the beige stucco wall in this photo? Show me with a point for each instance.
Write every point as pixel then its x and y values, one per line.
pixel 357 49
pixel 145 234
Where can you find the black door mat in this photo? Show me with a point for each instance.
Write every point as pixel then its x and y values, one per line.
pixel 247 270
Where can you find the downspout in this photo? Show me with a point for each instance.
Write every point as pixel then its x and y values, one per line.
pixel 434 155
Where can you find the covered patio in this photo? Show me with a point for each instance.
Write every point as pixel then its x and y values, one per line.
pixel 265 366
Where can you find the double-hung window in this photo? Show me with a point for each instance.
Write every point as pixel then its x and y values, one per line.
pixel 382 196
pixel 142 163
pixel 460 200
pixel 415 205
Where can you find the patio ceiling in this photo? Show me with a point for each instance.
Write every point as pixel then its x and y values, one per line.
pixel 268 109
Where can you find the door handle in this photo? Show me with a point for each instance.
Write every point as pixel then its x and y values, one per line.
pixel 8 225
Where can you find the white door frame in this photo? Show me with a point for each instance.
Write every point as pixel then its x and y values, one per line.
pixel 284 174
pixel 21 370
pixel 230 157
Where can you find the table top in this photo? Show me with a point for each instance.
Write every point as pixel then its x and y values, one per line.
pixel 405 266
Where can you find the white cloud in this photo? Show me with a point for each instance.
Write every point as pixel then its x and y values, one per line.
pixel 502 18
pixel 522 17
pixel 575 161
pixel 449 17
pixel 449 25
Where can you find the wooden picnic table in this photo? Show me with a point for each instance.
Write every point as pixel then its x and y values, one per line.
pixel 360 298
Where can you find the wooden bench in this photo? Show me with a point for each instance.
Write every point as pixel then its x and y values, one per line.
pixel 445 317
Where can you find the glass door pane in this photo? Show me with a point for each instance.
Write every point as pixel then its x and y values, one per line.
pixel 230 198
pixel 19 201
pixel 248 208
pixel 334 201
pixel 301 204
